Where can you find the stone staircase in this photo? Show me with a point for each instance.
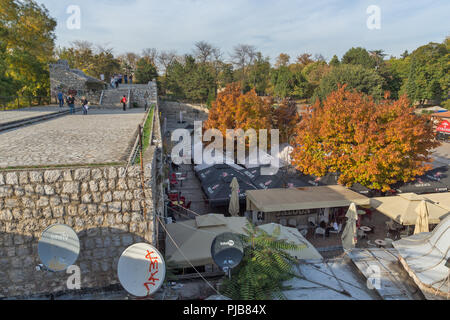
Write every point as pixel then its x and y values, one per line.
pixel 112 97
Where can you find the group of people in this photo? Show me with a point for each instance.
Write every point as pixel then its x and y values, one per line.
pixel 70 100
pixel 118 79
pixel 84 103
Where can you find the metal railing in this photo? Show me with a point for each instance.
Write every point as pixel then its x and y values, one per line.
pixel 138 144
pixel 101 98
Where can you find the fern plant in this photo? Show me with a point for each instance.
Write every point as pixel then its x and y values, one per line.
pixel 264 267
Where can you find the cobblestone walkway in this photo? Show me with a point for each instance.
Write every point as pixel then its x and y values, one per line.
pixel 14 115
pixel 103 136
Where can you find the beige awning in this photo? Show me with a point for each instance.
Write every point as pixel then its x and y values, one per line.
pixel 402 208
pixel 440 199
pixel 309 252
pixel 195 237
pixel 274 200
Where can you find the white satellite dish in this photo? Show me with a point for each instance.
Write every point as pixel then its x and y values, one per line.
pixel 58 247
pixel 141 270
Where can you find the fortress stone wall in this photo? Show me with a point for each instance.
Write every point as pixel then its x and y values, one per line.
pixel 105 207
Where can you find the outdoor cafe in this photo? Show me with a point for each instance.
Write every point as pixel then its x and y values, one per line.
pixel 303 207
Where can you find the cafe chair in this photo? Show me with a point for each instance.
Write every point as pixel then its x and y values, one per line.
pixel 283 222
pixel 312 221
pixel 338 230
pixel 292 223
pixel 319 231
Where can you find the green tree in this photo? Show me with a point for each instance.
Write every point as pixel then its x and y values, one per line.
pixel 359 56
pixel 264 268
pixel 429 73
pixel 355 77
pixel 27 34
pixel 334 62
pixel 286 83
pixel 145 71
pixel 94 62
pixel 190 80
pixel 259 75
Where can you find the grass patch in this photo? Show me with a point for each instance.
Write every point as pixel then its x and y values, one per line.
pixel 147 132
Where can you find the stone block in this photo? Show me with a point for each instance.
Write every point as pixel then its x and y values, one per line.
pixel 92 209
pixel 49 190
pixel 71 187
pixel 67 175
pixel 36 176
pixel 82 209
pixel 93 186
pixel 128 195
pixel 82 174
pixel 122 184
pixel 112 173
pixel 23 177
pixel 52 176
pixel 110 219
pixel 98 220
pixel 39 190
pixel 115 207
pixel 86 198
pixel 17 213
pixel 136 205
pixel 29 190
pixel 42 202
pixel 107 197
pixel 55 201
pixel 103 185
pixel 12 178
pixel 6 191
pixel 72 210
pixel 97 174
pixel 58 212
pixel 47 213
pixel 96 197
pixel 19 191
pixel 119 195
pixel 11 203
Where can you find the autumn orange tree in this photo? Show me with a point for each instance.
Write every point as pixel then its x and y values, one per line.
pixel 285 117
pixel 236 110
pixel 372 143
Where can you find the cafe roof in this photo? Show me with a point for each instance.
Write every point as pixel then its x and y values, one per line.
pixel 275 200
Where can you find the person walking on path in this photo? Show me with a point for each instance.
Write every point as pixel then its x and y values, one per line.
pixel 71 103
pixel 131 79
pixel 125 77
pixel 85 105
pixel 61 99
pixel 124 103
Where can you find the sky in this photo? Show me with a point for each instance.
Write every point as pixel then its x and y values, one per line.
pixel 294 27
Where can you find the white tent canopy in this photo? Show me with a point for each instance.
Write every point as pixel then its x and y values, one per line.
pixel 425 256
pixel 309 252
pixel 194 238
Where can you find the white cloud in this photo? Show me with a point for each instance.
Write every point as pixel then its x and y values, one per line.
pixel 273 26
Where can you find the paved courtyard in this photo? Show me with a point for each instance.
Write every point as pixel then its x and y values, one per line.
pixel 26 113
pixel 442 155
pixel 103 136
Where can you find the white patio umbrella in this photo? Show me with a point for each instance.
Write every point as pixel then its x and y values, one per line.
pixel 422 218
pixel 233 209
pixel 349 234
